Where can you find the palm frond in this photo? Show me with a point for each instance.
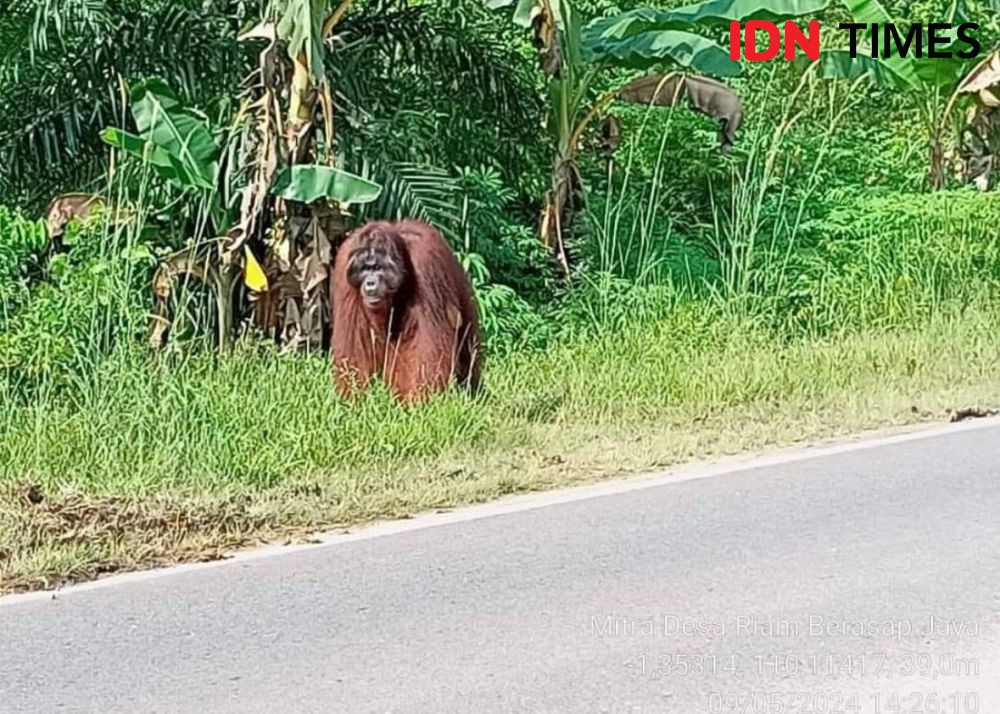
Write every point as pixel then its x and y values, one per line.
pixel 395 57
pixel 64 73
pixel 418 191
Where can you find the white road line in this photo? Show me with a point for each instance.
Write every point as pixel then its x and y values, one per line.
pixel 525 502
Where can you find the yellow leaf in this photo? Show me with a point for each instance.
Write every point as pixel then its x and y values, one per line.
pixel 253 274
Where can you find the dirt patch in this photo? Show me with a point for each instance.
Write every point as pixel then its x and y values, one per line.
pixel 64 537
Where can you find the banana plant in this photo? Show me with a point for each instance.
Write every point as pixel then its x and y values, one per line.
pixel 296 181
pixel 574 55
pixel 179 145
pixel 294 200
pixel 980 144
pixel 558 39
pixel 932 82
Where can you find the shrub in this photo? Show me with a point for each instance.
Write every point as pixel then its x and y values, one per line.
pixel 82 302
pixel 892 260
pixel 21 243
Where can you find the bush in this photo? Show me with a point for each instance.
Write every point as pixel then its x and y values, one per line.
pixel 21 243
pixel 82 302
pixel 892 260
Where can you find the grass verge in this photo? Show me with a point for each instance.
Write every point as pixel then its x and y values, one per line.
pixel 153 464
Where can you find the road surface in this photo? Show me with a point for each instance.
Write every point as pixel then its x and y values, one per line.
pixel 861 580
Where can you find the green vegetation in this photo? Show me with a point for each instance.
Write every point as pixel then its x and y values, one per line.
pixel 646 298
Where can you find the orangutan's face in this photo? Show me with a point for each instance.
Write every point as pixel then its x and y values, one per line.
pixel 376 270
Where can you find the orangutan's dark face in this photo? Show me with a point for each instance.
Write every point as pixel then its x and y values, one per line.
pixel 376 270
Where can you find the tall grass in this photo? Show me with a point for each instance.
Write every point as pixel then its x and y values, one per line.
pixel 747 261
pixel 633 234
pixel 255 418
pixel 757 231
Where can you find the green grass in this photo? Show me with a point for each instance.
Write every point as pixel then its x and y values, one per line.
pixel 152 463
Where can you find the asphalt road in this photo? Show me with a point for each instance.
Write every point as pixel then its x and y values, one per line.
pixel 862 582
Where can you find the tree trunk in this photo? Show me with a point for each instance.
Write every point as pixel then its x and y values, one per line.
pixel 310 235
pixel 313 233
pixel 557 213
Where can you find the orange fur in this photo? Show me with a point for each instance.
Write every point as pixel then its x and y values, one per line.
pixel 427 340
